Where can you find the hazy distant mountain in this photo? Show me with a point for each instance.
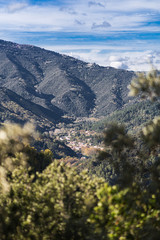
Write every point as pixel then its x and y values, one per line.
pixel 51 85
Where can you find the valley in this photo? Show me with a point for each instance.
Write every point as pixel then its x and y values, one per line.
pixel 69 101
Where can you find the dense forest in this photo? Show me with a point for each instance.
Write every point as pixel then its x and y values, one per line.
pixel 43 198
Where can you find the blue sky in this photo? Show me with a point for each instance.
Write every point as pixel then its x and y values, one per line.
pixel 118 33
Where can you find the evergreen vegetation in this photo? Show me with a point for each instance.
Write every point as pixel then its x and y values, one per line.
pixel 41 198
pixel 134 116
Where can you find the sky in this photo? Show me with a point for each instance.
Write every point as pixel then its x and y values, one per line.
pixel 118 33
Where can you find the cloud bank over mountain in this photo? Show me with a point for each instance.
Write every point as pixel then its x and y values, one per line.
pixel 98 27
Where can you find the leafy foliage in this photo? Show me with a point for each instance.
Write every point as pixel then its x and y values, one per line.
pixel 56 202
pixel 55 206
pixel 147 85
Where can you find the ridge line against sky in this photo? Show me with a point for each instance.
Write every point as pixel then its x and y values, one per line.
pixel 118 33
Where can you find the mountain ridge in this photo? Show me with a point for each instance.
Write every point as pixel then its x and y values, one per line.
pixel 61 84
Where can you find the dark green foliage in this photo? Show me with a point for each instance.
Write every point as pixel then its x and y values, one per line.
pixel 128 214
pixel 134 116
pixel 57 202
pixel 58 148
pixel 55 206
pixel 38 161
pixel 95 167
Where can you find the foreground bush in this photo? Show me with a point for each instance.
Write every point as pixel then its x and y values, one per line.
pixel 56 205
pixel 42 199
pixel 59 204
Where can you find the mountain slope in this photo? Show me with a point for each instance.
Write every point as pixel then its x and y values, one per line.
pixel 61 84
pixel 15 108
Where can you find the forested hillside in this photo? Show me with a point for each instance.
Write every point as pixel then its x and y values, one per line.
pixel 58 85
pixel 134 116
pixel 42 198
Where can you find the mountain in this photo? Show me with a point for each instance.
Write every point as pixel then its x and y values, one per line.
pixel 50 85
pixel 15 108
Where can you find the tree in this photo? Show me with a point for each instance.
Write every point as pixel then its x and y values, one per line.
pixel 131 208
pixel 43 199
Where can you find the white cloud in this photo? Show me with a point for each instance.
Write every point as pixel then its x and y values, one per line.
pixel 68 10
pixel 102 25
pixel 114 58
pixel 119 65
pixel 93 3
pixel 36 18
pixel 79 22
pixel 16 7
pixel 86 48
pixel 118 62
pixel 91 18
pixel 129 60
pixel 131 6
pixel 137 61
pixel 116 16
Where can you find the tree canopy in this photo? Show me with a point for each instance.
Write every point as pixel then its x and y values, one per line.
pixel 42 198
